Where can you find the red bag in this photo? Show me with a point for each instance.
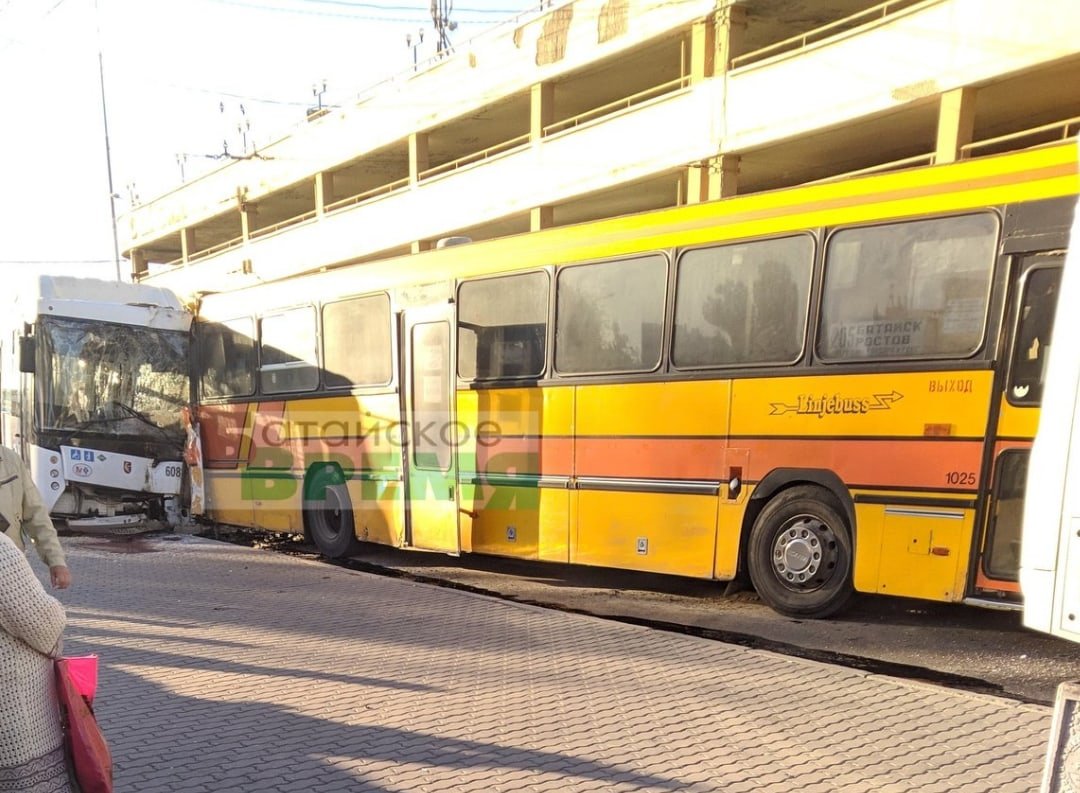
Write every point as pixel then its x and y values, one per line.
pixel 91 762
pixel 82 669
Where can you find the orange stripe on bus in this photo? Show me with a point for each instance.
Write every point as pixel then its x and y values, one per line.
pixel 651 458
pixel 266 444
pixel 222 430
pixel 918 463
pixel 545 456
pixel 925 463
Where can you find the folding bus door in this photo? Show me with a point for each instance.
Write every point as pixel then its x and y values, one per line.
pixel 430 444
pixel 1030 321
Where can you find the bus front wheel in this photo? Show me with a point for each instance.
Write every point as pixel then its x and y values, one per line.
pixel 328 515
pixel 800 553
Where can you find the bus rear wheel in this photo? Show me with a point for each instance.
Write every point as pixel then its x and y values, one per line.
pixel 800 554
pixel 328 515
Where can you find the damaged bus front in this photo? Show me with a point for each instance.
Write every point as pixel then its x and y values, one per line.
pixel 93 390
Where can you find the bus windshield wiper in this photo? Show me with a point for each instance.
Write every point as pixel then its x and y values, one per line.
pixel 125 412
pixel 138 414
pixel 129 411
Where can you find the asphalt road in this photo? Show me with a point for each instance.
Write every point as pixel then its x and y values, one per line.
pixel 958 646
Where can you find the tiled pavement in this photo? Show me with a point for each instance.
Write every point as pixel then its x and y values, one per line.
pixel 231 669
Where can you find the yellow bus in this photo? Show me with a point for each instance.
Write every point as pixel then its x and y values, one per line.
pixel 823 389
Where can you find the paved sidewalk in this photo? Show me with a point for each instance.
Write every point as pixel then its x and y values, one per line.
pixel 232 669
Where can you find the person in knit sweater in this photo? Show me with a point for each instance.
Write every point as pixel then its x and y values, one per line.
pixel 32 758
pixel 23 513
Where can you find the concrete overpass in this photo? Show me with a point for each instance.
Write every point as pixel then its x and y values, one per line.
pixel 590 109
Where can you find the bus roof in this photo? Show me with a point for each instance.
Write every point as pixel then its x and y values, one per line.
pixel 96 290
pixel 108 301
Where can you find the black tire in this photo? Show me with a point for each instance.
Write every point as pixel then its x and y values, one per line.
pixel 328 514
pixel 799 554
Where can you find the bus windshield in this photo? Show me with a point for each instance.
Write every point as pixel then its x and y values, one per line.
pixel 110 379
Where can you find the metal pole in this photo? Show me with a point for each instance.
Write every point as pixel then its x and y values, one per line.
pixel 108 152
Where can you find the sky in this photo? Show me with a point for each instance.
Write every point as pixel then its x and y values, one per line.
pixel 183 80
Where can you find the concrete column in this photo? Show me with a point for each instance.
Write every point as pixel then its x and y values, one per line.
pixel 702 49
pixel 716 177
pixel 139 266
pixel 187 244
pixel 418 156
pixel 324 191
pixel 715 40
pixel 541 218
pixel 730 36
pixel 247 219
pixel 542 109
pixel 956 123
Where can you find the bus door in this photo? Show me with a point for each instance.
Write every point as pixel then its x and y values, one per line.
pixel 1033 299
pixel 429 453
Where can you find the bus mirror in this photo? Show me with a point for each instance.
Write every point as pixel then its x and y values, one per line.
pixel 26 354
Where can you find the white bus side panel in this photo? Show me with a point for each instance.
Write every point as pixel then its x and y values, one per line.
pixel 1050 553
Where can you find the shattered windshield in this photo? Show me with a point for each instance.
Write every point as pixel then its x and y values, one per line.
pixel 112 379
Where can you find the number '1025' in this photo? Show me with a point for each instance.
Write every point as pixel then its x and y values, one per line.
pixel 960 478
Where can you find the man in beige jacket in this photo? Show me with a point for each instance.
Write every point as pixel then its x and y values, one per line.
pixel 23 514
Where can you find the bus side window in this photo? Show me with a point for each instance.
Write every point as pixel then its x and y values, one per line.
pixel 287 351
pixel 907 290
pixel 357 350
pixel 226 358
pixel 743 304
pixel 609 315
pixel 502 327
pixel 1032 345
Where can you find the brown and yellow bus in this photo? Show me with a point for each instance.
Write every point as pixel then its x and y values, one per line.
pixel 825 389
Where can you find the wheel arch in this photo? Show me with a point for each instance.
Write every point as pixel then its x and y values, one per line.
pixel 322 473
pixel 780 479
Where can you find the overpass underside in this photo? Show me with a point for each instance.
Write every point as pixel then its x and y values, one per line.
pixel 594 109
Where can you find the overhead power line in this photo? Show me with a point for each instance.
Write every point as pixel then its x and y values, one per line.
pixel 381 7
pixel 55 261
pixel 307 8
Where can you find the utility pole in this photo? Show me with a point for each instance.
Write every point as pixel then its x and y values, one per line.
pixel 440 16
pixel 108 151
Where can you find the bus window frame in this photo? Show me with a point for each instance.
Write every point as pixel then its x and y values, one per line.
pixel 1015 320
pixel 262 368
pixel 549 324
pixel 978 350
pixel 320 351
pixel 665 322
pixel 812 286
pixel 199 375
